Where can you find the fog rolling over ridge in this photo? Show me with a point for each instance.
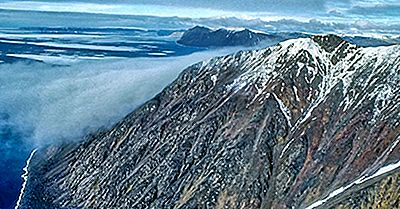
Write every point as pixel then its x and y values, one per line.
pixel 46 103
pixel 63 103
pixel 41 104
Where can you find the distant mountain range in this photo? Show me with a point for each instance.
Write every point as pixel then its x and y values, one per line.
pixel 205 37
pixel 200 36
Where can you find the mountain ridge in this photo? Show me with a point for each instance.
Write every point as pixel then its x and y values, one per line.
pixel 280 127
pixel 200 36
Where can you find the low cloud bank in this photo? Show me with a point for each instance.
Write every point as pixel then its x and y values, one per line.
pixel 51 104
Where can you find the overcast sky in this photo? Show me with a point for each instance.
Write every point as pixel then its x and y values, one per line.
pixel 367 14
pixel 376 10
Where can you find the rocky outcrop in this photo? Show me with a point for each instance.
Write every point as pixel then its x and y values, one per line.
pixel 308 123
pixel 383 193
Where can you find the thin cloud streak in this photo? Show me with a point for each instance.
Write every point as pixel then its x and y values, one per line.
pixel 349 10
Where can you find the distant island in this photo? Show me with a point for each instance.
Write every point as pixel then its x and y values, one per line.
pixel 200 36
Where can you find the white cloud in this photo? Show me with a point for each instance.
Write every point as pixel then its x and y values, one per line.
pixel 278 6
pixel 333 16
pixel 120 9
pixel 58 103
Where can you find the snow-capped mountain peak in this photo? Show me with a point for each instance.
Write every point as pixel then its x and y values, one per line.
pixel 311 122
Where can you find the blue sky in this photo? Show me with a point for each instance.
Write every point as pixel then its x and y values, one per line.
pixel 356 15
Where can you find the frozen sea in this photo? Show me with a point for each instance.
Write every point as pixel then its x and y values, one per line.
pixel 67 45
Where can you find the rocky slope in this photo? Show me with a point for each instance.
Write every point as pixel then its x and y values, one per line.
pixel 308 123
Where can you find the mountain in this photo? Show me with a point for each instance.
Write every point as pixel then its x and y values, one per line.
pixel 205 37
pixel 307 123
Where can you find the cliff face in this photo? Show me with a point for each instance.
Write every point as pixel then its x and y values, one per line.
pixel 307 123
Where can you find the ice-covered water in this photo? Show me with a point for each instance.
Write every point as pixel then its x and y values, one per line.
pixel 63 46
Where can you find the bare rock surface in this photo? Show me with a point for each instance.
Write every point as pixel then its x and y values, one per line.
pixel 308 123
